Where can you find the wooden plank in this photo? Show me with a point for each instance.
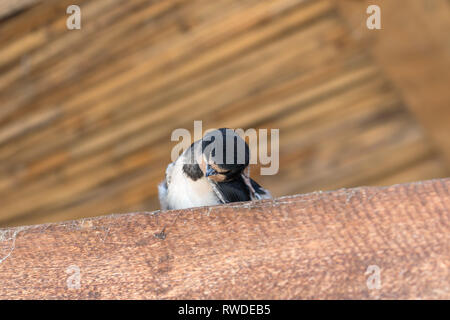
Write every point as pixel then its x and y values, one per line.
pixel 413 49
pixel 426 167
pixel 313 246
pixel 86 115
pixel 9 7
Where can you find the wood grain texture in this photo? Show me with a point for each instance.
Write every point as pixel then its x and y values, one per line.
pixel 86 116
pixel 313 246
pixel 11 7
pixel 413 50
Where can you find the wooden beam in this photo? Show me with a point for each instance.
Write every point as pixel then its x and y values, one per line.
pixel 9 7
pixel 86 115
pixel 413 50
pixel 316 246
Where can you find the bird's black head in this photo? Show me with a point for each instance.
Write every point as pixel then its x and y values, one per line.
pixel 225 153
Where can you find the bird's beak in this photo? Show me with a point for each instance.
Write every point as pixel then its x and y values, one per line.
pixel 210 171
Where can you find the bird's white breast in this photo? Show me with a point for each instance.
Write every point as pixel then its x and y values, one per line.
pixel 184 192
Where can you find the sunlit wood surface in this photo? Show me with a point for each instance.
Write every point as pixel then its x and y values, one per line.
pixel 321 245
pixel 86 115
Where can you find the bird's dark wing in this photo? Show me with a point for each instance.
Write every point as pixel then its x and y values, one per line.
pixel 260 192
pixel 238 190
pixel 233 191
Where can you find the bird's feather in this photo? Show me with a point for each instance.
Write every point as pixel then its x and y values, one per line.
pixel 240 189
pixel 233 191
pixel 162 193
pixel 260 192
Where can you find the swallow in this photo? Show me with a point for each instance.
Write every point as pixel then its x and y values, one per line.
pixel 213 170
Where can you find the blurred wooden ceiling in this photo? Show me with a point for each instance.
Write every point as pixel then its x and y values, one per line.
pixel 86 115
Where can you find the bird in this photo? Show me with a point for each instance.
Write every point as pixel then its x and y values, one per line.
pixel 213 170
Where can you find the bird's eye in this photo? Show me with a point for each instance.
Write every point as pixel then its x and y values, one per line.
pixel 210 171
